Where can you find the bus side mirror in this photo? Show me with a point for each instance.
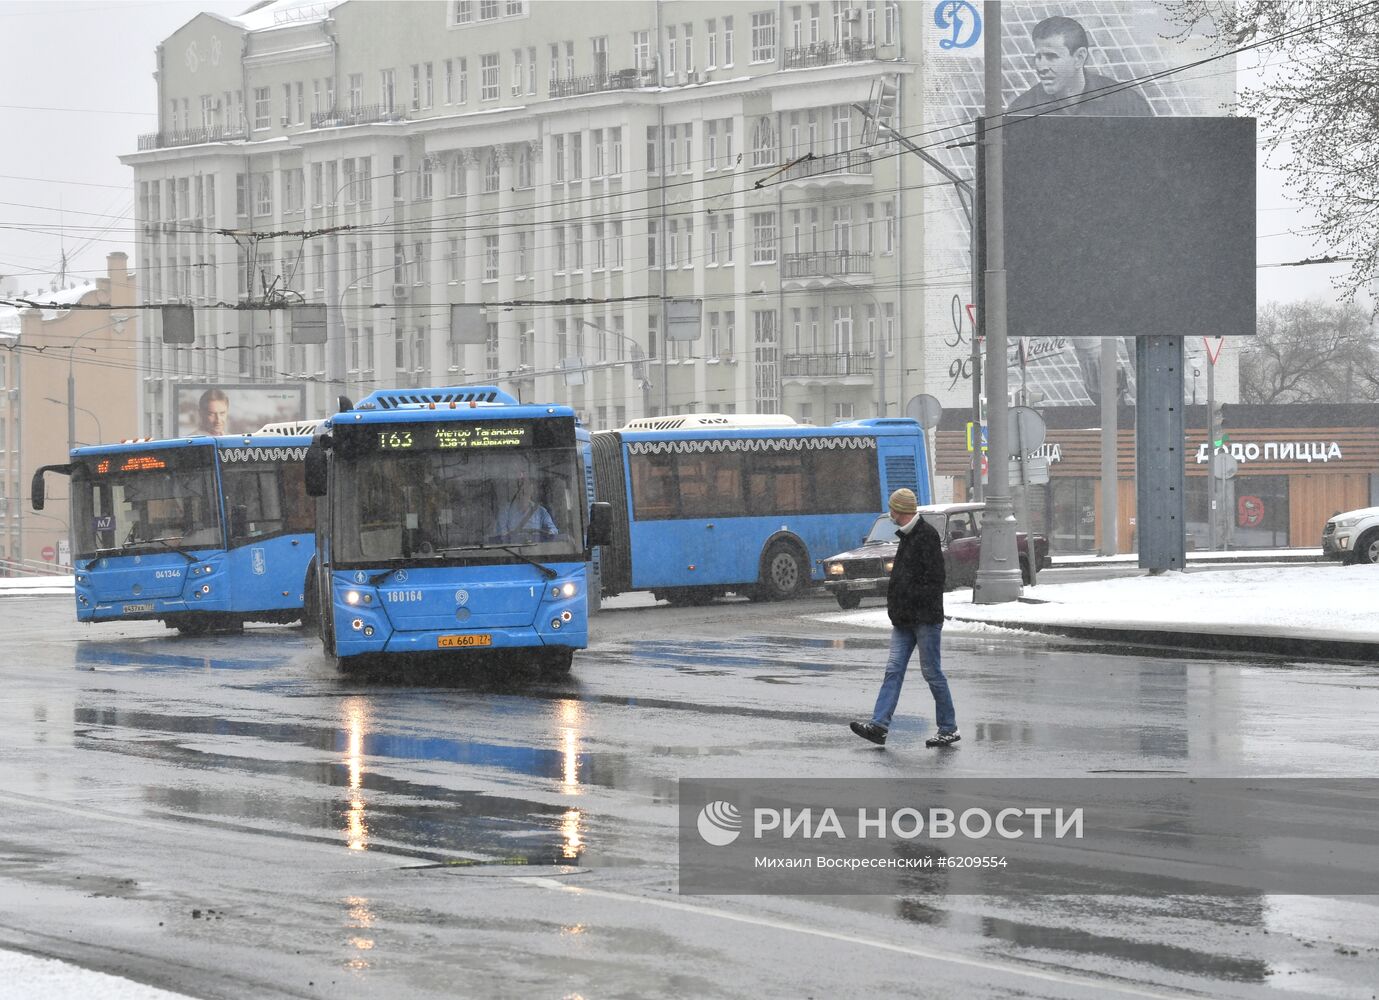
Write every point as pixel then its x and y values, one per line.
pixel 36 486
pixel 315 469
pixel 600 524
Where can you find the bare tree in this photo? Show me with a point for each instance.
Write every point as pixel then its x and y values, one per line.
pixel 1310 352
pixel 1320 110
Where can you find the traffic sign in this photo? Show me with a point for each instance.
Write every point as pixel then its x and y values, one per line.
pixel 972 436
pixel 925 409
pixel 1224 465
pixel 1213 346
pixel 49 554
pixel 1026 430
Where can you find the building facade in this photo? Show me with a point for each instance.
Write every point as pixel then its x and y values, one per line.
pixel 43 351
pixel 568 176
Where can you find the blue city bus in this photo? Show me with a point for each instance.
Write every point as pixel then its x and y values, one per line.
pixel 453 522
pixel 202 533
pixel 707 504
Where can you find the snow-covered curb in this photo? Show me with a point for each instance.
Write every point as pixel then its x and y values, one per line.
pixel 50 979
pixel 29 586
pixel 1296 602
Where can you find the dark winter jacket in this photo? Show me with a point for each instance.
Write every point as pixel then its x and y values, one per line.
pixel 915 594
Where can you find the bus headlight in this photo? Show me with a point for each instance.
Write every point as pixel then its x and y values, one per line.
pixel 352 597
pixel 835 569
pixel 568 590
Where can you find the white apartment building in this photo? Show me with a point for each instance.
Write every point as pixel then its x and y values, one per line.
pixel 569 167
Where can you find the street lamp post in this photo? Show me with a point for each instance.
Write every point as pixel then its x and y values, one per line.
pixel 118 323
pixel 638 357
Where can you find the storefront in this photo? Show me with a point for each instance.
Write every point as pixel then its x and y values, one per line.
pixel 1296 466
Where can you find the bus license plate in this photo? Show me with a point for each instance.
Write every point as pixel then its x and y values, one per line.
pixel 456 641
pixel 134 609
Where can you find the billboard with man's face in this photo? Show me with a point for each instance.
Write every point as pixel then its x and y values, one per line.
pixel 218 409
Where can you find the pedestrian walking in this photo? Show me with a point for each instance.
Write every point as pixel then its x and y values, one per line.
pixel 914 601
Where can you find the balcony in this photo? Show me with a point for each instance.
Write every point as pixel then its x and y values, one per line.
pixel 854 369
pixel 848 167
pixel 365 115
pixel 828 53
pixel 191 137
pixel 594 83
pixel 819 268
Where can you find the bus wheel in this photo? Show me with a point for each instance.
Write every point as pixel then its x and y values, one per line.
pixel 783 573
pixel 557 660
pixel 848 601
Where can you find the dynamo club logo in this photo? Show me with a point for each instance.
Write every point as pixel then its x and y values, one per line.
pixel 962 22
pixel 719 823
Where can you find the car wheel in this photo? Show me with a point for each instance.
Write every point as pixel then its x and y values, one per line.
pixel 848 601
pixel 1367 548
pixel 783 573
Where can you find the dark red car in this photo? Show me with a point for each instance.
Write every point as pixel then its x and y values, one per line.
pixel 857 573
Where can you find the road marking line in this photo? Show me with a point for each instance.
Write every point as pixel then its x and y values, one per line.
pixel 1096 985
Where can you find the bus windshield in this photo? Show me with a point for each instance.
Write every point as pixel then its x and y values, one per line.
pixel 432 504
pixel 145 501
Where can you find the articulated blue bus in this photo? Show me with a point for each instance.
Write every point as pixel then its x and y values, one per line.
pixel 202 533
pixel 452 521
pixel 704 505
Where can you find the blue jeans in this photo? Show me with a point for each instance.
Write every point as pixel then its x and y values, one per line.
pixel 903 643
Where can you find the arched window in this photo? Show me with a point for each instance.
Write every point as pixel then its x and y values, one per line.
pixel 763 143
pixel 524 172
pixel 491 174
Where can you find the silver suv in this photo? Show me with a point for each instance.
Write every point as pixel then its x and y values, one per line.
pixel 1352 537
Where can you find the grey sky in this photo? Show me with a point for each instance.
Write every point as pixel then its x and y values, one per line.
pixel 77 89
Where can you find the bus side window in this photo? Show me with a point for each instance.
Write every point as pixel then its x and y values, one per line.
pixel 653 486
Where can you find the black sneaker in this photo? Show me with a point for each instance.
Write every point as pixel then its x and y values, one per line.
pixel 943 739
pixel 869 731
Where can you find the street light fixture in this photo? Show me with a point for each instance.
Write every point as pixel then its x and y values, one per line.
pixel 100 434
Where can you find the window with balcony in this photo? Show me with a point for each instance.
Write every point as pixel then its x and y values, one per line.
pixel 356 92
pixel 387 89
pixel 600 53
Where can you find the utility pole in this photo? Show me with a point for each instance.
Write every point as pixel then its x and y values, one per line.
pixel 1110 432
pixel 998 573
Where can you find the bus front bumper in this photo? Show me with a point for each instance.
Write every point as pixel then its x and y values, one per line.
pixel 353 642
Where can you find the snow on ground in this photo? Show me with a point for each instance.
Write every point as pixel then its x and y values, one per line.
pixel 28 586
pixel 1305 601
pixel 35 978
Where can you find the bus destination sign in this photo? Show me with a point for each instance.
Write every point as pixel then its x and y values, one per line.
pixel 456 437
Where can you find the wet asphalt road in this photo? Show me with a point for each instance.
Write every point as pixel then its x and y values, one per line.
pixel 226 817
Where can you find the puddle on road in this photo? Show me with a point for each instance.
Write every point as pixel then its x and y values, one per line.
pixel 775 659
pixel 128 657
